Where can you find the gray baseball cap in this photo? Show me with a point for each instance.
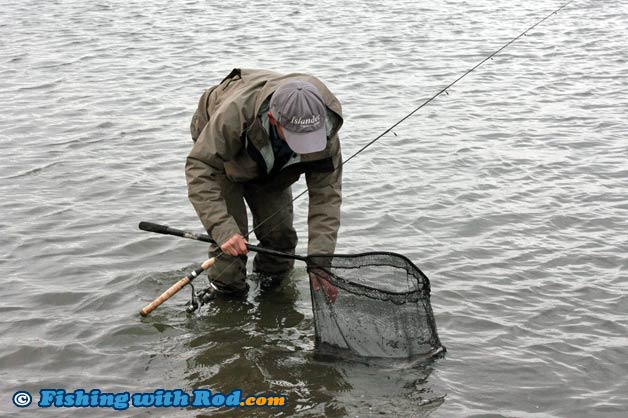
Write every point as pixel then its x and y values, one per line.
pixel 300 110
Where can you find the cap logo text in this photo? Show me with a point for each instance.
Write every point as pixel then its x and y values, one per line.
pixel 312 120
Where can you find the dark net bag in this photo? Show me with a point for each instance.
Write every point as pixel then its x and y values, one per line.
pixel 372 305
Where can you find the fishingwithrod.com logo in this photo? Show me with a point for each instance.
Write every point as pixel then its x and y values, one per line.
pixel 160 398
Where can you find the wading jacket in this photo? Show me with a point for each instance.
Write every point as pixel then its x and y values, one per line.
pixel 231 142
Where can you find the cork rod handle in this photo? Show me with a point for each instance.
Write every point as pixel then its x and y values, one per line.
pixel 176 287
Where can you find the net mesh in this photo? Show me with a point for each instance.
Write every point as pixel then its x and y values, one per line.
pixel 372 305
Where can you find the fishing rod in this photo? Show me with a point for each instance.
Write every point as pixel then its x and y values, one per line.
pixel 209 293
pixel 425 103
pixel 448 86
pixel 206 295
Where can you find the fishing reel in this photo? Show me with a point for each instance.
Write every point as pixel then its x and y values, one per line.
pixel 200 298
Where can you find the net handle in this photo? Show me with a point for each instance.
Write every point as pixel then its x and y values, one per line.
pixel 166 230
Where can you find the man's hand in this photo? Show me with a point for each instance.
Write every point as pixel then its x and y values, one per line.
pixel 319 279
pixel 235 246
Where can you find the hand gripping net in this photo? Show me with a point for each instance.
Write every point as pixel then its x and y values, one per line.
pixel 381 308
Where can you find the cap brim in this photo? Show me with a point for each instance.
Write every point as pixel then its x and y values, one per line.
pixel 306 142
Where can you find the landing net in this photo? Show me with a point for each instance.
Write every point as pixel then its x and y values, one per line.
pixel 372 305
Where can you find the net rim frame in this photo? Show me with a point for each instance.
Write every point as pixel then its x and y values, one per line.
pixel 424 291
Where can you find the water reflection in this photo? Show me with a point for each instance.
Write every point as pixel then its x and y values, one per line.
pixel 265 345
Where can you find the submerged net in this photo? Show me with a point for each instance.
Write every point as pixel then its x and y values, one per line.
pixel 372 305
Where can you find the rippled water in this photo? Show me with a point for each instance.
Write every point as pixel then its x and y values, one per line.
pixel 509 192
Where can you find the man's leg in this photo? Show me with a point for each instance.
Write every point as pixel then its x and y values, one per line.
pixel 276 233
pixel 229 273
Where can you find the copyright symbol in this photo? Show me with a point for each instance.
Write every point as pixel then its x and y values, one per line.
pixel 22 399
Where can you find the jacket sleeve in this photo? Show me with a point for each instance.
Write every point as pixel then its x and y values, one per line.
pixel 325 198
pixel 217 143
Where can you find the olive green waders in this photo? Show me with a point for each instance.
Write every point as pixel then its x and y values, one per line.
pixel 276 233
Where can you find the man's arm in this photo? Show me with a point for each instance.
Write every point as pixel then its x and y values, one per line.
pixel 204 171
pixel 325 195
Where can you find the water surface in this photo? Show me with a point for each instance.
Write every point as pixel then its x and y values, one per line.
pixel 509 192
